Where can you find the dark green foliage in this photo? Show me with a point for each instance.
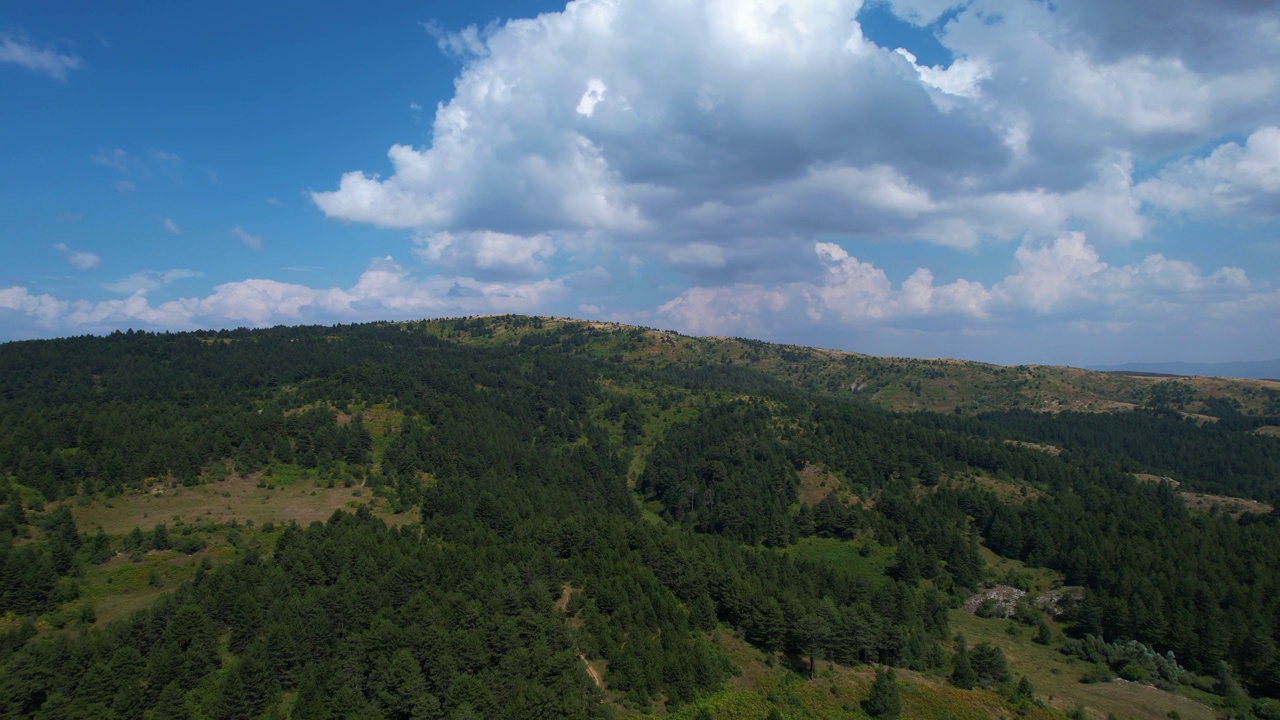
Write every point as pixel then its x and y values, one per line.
pixel 885 702
pixel 989 664
pixel 517 455
pixel 727 473
pixel 1024 690
pixel 1225 457
pixel 962 673
pixel 1130 660
pixel 1044 635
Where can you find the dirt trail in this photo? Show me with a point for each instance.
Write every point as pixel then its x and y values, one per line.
pixel 595 674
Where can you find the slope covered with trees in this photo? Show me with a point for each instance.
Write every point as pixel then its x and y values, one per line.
pixel 591 513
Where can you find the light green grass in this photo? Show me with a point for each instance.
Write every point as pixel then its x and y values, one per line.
pixel 846 555
pixel 1001 570
pixel 1057 677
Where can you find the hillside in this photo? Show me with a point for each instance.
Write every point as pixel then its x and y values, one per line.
pixel 516 517
pixel 900 384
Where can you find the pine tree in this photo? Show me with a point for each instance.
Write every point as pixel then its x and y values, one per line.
pixel 1044 635
pixel 962 674
pixel 885 702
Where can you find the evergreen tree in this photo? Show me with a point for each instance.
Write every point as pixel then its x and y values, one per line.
pixel 885 702
pixel 962 674
pixel 1044 635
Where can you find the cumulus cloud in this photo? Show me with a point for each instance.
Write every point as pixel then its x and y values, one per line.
pixel 486 253
pixel 79 259
pixel 764 126
pixel 1064 278
pixel 1231 181
pixel 385 289
pixel 249 240
pixel 37 59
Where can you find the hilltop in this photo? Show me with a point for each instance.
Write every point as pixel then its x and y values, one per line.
pixel 899 384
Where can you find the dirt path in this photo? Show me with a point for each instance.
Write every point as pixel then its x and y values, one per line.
pixel 595 674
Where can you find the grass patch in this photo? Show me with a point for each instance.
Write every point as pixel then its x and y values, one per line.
pixel 862 558
pixel 1056 677
pixel 764 684
pixel 239 499
pixel 1007 571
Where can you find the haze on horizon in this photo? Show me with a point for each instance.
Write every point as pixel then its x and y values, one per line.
pixel 1083 183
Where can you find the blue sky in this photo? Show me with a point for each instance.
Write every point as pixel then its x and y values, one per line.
pixel 1008 180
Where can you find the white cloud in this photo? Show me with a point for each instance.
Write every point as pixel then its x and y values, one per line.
pixel 384 289
pixel 275 201
pixel 764 126
pixel 1065 278
pixel 42 60
pixel 45 309
pixel 486 253
pixel 249 240
pixel 1231 181
pixel 593 96
pixel 150 280
pixel 962 78
pixel 79 259
pixel 124 186
pixel 170 226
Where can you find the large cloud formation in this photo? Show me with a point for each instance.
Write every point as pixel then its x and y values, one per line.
pixel 669 123
pixel 730 156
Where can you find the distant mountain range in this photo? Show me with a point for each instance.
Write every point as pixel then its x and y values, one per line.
pixel 1259 369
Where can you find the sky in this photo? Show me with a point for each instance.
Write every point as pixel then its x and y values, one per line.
pixel 1015 181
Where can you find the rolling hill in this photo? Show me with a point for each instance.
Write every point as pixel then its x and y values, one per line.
pixel 521 517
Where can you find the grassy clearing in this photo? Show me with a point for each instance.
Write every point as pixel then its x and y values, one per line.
pixel 1006 571
pixel 1233 506
pixel 1057 677
pixel 764 684
pixel 237 499
pixel 846 555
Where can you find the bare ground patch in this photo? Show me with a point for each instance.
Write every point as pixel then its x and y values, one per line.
pixel 238 499
pixel 816 484
pixel 1050 449
pixel 1233 506
pixel 1148 478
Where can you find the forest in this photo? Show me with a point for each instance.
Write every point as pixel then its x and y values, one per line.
pixel 582 531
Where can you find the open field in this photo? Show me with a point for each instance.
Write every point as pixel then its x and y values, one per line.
pixel 236 499
pixel 846 555
pixel 1233 506
pixel 1057 677
pixel 764 683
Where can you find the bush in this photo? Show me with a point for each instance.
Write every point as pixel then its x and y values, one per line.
pixel 989 608
pixel 189 544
